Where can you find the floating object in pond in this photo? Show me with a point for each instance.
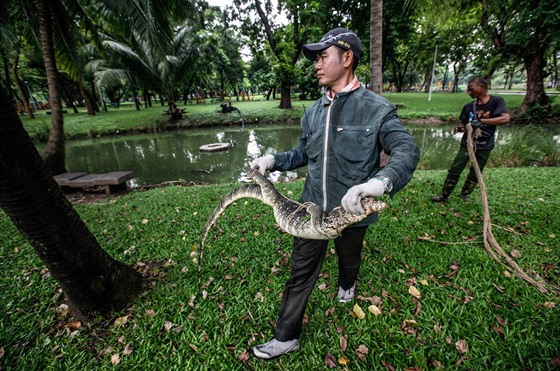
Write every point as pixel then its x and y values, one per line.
pixel 213 147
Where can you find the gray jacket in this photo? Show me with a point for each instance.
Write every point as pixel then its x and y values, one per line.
pixel 341 145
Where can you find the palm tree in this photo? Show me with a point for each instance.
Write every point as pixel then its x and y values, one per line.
pixel 376 46
pixel 92 280
pixel 160 67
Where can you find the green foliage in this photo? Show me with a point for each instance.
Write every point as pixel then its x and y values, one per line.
pixel 174 325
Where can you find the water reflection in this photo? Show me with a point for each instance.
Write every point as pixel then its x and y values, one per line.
pixel 172 156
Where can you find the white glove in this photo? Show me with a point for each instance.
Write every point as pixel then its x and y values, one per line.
pixel 351 201
pixel 262 164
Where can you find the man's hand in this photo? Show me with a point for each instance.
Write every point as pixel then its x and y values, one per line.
pixel 262 164
pixel 351 201
pixel 475 124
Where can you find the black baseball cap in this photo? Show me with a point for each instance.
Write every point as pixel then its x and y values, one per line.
pixel 340 37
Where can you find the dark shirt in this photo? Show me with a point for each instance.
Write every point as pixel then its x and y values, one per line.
pixel 493 108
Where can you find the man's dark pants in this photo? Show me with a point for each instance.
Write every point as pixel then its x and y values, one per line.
pixel 307 260
pixel 461 160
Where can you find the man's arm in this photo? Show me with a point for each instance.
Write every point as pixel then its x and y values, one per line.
pixel 498 120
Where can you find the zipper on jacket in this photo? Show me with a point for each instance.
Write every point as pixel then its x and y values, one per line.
pixel 325 155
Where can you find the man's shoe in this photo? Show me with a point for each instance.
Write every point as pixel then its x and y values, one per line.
pixel 344 296
pixel 439 198
pixel 275 348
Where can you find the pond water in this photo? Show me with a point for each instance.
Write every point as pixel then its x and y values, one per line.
pixel 175 155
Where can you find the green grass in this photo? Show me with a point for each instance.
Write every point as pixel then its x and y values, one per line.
pixel 126 119
pixel 505 322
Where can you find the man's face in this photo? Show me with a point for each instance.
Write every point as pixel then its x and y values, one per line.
pixel 329 66
pixel 475 90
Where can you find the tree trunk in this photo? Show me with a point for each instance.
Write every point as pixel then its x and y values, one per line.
pixel 285 91
pixel 54 153
pixel 535 87
pixel 87 100
pixel 91 279
pixel 20 88
pixel 376 46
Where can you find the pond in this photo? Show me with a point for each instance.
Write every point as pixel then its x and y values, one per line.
pixel 175 155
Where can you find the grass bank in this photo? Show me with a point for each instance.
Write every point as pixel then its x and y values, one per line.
pixel 415 106
pixel 471 313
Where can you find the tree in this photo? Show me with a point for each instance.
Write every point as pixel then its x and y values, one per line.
pixel 525 29
pixel 285 42
pixel 376 46
pixel 92 280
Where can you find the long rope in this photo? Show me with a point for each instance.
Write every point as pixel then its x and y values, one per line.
pixel 490 244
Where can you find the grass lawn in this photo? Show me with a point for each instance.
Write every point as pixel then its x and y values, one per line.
pixel 471 314
pixel 443 106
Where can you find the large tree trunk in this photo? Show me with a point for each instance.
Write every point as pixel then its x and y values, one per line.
pixel 285 92
pixel 54 153
pixel 376 46
pixel 535 94
pixel 91 279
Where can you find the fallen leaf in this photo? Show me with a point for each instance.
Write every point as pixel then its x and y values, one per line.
pixel 515 253
pixel 73 325
pixel 150 312
pixel 343 342
pixel 191 301
pixel 358 311
pixel 437 364
pixel 549 305
pixel 322 286
pixel 167 325
pixel 343 360
pixel 362 352
pixel 330 361
pixel 374 309
pixel 127 350
pixel 244 356
pixel 144 221
pixel 424 282
pixel 121 321
pixel 414 292
pixel 388 366
pixel 499 330
pixel 461 346
pixel 115 359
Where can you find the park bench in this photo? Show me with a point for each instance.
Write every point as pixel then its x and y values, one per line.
pixel 112 182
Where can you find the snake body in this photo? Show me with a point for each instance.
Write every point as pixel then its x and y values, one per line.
pixel 305 220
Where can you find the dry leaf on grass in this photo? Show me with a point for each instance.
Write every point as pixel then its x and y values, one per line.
pixel 374 309
pixel 343 342
pixel 343 360
pixel 359 312
pixel 127 350
pixel 115 359
pixel 121 321
pixel 414 292
pixel 244 356
pixel 330 361
pixel 461 346
pixel 362 352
